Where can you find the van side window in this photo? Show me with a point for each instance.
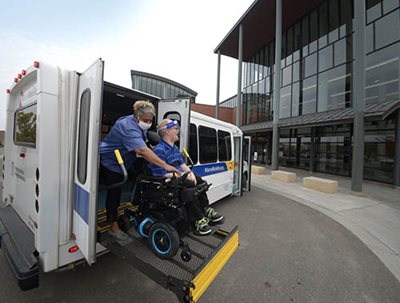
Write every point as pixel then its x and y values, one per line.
pixel 25 126
pixel 174 116
pixel 224 146
pixel 83 136
pixel 208 144
pixel 193 143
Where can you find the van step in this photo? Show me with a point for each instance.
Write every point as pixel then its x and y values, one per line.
pixel 17 244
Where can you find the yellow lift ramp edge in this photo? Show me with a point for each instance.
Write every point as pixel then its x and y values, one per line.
pixel 188 280
pixel 207 274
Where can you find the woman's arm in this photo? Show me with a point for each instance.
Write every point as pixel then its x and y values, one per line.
pixel 151 157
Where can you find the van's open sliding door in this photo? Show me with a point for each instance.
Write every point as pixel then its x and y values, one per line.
pixel 177 109
pixel 87 159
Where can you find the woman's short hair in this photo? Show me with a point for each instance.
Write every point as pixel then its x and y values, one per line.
pixel 142 107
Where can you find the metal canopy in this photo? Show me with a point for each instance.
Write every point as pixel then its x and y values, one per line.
pixel 378 111
pixel 259 25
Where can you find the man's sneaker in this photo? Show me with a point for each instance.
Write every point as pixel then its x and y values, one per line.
pixel 213 216
pixel 201 227
pixel 120 237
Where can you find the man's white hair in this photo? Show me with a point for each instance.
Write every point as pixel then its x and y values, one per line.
pixel 160 127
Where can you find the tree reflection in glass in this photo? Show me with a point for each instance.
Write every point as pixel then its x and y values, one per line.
pixel 26 127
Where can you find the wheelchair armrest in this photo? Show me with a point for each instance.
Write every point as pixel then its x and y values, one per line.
pixel 202 188
pixel 155 180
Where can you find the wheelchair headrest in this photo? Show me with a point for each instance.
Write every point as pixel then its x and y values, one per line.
pixel 153 138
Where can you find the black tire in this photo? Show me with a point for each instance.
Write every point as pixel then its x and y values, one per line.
pixel 163 240
pixel 186 255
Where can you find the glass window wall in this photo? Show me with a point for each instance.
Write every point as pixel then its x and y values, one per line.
pixel 333 149
pixel 320 79
pixel 379 150
pixel 382 75
pixel 332 92
pixel 309 93
pixel 325 59
pixel 285 104
pixel 387 29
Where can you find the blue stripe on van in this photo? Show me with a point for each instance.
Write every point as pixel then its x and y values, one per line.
pixel 81 203
pixel 210 169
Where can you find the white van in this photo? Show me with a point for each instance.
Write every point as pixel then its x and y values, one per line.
pixel 214 153
pixel 50 219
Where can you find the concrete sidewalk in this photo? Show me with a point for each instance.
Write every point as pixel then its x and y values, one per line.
pixel 374 217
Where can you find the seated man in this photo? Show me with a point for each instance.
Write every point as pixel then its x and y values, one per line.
pixel 199 209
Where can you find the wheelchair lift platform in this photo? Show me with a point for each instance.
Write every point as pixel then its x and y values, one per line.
pixel 187 279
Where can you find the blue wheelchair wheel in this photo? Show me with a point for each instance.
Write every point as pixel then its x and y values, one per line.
pixel 163 240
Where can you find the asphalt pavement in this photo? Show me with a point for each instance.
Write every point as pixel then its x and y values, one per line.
pixel 373 215
pixel 288 252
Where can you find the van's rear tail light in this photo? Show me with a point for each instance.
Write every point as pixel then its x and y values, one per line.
pixel 36 64
pixel 23 72
pixel 8 91
pixel 73 249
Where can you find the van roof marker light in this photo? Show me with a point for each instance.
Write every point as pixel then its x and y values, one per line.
pixel 23 72
pixel 8 91
pixel 36 64
pixel 19 76
pixel 16 80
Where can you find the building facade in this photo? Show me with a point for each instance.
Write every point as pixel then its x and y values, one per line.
pixel 159 86
pixel 316 104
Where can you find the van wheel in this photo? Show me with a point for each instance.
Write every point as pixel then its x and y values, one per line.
pixel 163 240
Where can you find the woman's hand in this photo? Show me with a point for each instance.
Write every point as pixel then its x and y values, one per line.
pixel 170 168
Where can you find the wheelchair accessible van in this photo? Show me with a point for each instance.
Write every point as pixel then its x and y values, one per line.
pixel 164 246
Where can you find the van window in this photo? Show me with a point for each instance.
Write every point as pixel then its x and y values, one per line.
pixel 25 126
pixel 193 143
pixel 174 116
pixel 224 146
pixel 208 144
pixel 83 136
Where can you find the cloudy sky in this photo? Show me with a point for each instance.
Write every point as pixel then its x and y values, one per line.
pixel 174 39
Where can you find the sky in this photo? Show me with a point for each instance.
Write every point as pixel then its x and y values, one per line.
pixel 174 39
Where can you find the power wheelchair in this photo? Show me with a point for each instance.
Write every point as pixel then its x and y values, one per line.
pixel 160 215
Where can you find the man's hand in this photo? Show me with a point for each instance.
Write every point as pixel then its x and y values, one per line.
pixel 192 177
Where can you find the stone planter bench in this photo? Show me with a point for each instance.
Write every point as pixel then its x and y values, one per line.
pixel 320 184
pixel 257 170
pixel 283 176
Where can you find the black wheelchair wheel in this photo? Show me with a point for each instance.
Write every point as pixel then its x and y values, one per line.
pixel 163 240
